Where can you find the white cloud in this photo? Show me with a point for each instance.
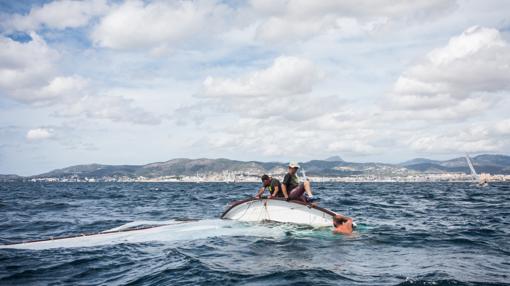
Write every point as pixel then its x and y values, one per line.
pixel 159 25
pixel 360 8
pixel 277 29
pixel 502 127
pixel 440 108
pixel 478 137
pixel 357 147
pixel 469 43
pixel 263 136
pixel 26 67
pixel 62 86
pixel 467 76
pixel 276 137
pixel 454 144
pixel 282 90
pixel 57 15
pixel 286 76
pixel 114 108
pixel 29 74
pixel 39 134
pixel 301 19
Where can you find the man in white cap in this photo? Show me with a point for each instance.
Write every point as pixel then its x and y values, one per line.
pixel 293 187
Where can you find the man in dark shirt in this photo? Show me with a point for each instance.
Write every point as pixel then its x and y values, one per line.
pixel 291 185
pixel 273 186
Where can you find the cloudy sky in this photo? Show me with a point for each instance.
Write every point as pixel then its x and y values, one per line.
pixel 133 82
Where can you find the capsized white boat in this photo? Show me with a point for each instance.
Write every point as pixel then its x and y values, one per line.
pixel 164 231
pixel 279 210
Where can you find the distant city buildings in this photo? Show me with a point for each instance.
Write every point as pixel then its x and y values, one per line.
pixel 233 177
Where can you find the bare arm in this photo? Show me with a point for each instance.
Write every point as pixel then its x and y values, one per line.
pixel 261 191
pixel 276 190
pixel 284 190
pixel 349 224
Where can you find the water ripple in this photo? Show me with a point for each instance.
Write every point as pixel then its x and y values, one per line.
pixel 408 234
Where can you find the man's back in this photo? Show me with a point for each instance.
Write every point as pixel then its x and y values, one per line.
pixel 275 183
pixel 290 181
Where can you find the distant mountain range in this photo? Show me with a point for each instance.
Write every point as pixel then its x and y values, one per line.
pixel 493 164
pixel 333 166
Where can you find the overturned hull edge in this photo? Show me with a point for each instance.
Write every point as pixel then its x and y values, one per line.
pixel 279 210
pixel 88 237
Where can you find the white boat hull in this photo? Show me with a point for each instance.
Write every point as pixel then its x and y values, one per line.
pixel 279 210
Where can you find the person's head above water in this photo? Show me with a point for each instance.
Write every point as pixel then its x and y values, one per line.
pixel 266 180
pixel 293 167
pixel 343 225
pixel 339 220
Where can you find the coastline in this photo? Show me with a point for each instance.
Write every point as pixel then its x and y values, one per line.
pixel 417 178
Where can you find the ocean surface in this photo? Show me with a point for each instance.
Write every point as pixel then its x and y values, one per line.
pixel 408 234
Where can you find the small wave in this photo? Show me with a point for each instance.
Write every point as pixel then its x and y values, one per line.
pixel 50 206
pixel 298 277
pixel 446 282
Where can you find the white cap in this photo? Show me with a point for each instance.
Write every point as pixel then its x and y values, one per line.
pixel 293 165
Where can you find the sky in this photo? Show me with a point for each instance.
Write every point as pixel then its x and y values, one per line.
pixel 134 82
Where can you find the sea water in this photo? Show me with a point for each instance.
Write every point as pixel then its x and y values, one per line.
pixel 408 234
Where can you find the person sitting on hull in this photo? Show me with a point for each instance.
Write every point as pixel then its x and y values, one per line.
pixel 273 186
pixel 295 189
pixel 343 224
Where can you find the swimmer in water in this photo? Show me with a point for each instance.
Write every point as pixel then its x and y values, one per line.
pixel 343 225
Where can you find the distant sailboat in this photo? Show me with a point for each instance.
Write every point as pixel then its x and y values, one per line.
pixel 229 177
pixel 199 179
pixel 471 167
pixel 482 179
pixel 304 174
